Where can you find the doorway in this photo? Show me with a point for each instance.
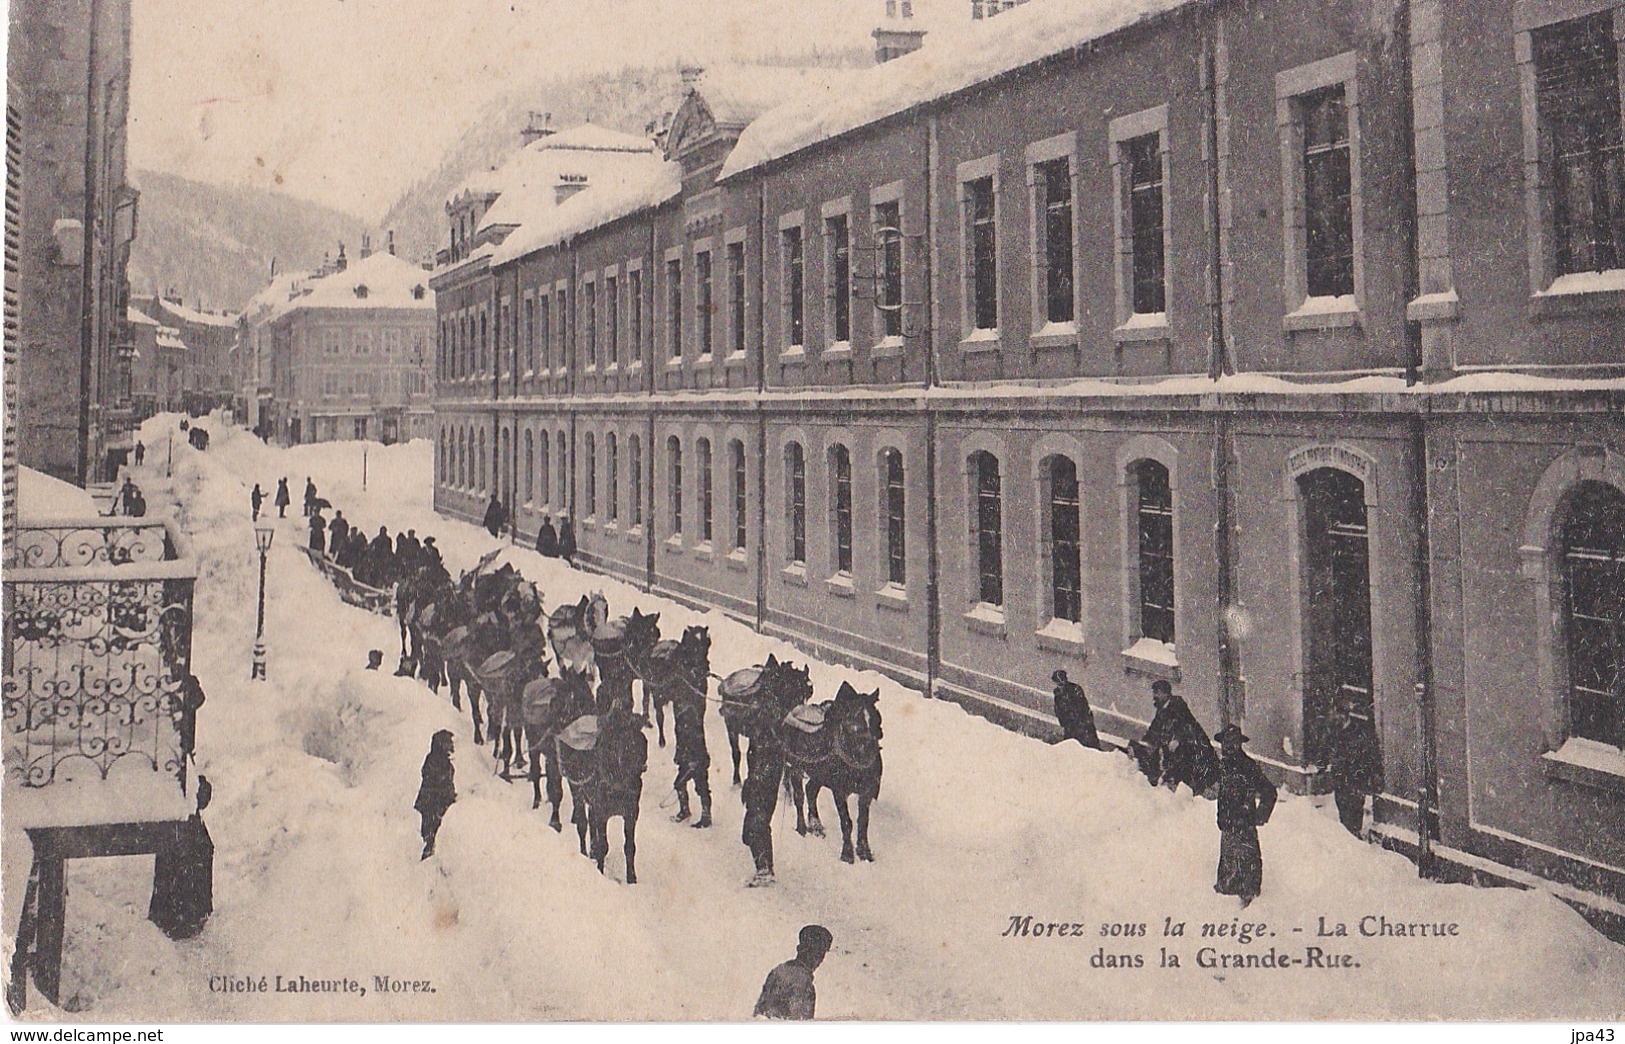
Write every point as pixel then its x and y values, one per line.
pixel 1336 604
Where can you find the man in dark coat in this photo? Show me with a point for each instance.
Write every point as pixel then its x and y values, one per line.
pixel 788 992
pixel 496 517
pixel 1246 799
pixel 380 560
pixel 140 453
pixel 567 541
pixel 1175 749
pixel 338 532
pixel 318 532
pixel 310 495
pixel 255 499
pixel 283 498
pixel 1072 711
pixel 764 761
pixel 437 792
pixel 692 757
pixel 431 554
pixel 547 539
pixel 183 875
pixel 1355 765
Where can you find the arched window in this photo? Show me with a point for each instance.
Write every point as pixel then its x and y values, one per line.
pixel 795 498
pixel 504 467
pixel 704 448
pixel 634 471
pixel 462 459
pixel 674 484
pixel 530 467
pixel 562 461
pixel 840 507
pixel 612 489
pixel 894 508
pixel 1065 560
pixel 479 467
pixel 1153 521
pixel 1594 612
pixel 589 476
pixel 736 451
pixel 544 477
pixel 987 513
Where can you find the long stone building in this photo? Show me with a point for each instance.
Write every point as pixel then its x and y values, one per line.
pixel 1275 350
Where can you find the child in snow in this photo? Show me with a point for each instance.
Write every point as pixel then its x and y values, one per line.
pixel 437 792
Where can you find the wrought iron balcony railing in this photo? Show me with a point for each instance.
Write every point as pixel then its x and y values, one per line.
pixel 98 643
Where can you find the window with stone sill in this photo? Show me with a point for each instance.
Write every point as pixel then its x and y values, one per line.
pixel 1593 564
pixel 795 473
pixel 1582 148
pixel 987 528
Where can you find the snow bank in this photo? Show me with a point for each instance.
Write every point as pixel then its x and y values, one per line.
pixel 42 497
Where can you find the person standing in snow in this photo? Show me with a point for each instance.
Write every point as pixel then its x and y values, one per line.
pixel 338 532
pixel 1246 799
pixel 381 560
pixel 1355 765
pixel 1175 749
pixel 438 791
pixel 140 453
pixel 318 532
pixel 764 771
pixel 547 539
pixel 1072 711
pixel 788 992
pixel 310 496
pixel 255 499
pixel 567 541
pixel 283 498
pixel 496 517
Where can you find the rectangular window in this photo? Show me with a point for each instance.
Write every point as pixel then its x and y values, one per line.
pixel 1155 516
pixel 1577 85
pixel 530 334
pixel 705 490
pixel 1066 580
pixel 1055 226
pixel 544 329
pixel 634 313
pixel 841 507
pixel 795 463
pixel 889 268
pixel 1143 159
pixel 589 462
pixel 635 472
pixel 674 308
pixel 896 520
pixel 613 484
pixel 589 324
pixel 563 460
pixel 1328 194
pixel 982 254
pixel 563 325
pixel 989 547
pixel 612 319
pixel 795 298
pixel 838 266
pixel 674 476
pixel 736 295
pixel 737 448
pixel 703 312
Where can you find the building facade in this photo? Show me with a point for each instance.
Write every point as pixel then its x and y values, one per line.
pixel 344 353
pixel 1190 344
pixel 76 218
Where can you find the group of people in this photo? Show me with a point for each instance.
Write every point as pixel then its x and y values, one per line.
pixel 131 502
pixel 378 562
pixel 550 542
pixel 1176 749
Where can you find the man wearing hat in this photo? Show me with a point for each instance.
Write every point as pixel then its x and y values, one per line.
pixel 1175 749
pixel 1355 764
pixel 437 793
pixel 1072 711
pixel 1246 799
pixel 788 992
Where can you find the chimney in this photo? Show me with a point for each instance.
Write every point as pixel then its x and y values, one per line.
pixel 340 264
pixel 538 125
pixel 389 242
pixel 899 34
pixel 569 185
pixel 366 245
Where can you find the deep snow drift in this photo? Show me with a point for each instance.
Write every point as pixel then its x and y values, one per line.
pixel 317 871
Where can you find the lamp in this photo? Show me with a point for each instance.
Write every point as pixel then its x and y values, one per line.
pixel 263 535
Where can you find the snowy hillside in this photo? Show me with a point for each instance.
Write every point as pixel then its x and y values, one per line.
pixel 317 870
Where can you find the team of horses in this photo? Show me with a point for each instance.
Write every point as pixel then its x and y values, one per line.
pixel 556 690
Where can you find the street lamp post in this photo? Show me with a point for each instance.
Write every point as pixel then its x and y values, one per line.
pixel 262 540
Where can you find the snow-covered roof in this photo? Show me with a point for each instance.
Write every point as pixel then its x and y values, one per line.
pixel 738 94
pixel 41 497
pixel 192 315
pixel 647 187
pixel 533 179
pixel 169 337
pixel 381 280
pixel 522 166
pixel 951 60
pixel 276 293
pixel 138 317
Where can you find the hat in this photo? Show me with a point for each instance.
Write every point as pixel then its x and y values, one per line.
pixel 1162 687
pixel 1059 677
pixel 815 937
pixel 1230 732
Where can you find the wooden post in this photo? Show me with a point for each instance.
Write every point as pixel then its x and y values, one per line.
pixel 52 898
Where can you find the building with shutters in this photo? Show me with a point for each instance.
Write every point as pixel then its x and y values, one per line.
pixel 1192 342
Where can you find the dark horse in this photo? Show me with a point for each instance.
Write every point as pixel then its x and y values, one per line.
pixel 604 757
pixel 836 747
pixel 755 701
pixel 678 672
pixel 547 705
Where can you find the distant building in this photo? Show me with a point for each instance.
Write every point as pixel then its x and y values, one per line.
pixel 345 352
pixel 210 339
pixel 71 214
pixel 989 8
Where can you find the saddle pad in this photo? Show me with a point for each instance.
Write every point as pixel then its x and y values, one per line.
pixel 581 734
pixel 664 651
pixel 741 684
pixel 809 717
pixel 539 692
pixel 456 638
pixel 496 665
pixel 425 617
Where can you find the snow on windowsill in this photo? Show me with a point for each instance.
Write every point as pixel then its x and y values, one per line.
pixel 838 350
pixel 892 596
pixel 986 619
pixel 794 352
pixel 840 585
pixel 1322 313
pixel 1055 334
pixel 892 345
pixel 1143 326
pixel 1611 281
pixel 1152 657
pixel 795 573
pixel 137 795
pixel 1062 636
pixel 1588 763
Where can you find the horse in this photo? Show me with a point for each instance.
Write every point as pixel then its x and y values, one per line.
pixel 836 747
pixel 678 672
pixel 604 757
pixel 547 705
pixel 755 701
pixel 642 637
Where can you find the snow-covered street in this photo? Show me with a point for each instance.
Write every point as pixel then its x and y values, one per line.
pixel 317 871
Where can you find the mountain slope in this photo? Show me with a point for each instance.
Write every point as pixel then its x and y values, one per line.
pixel 215 244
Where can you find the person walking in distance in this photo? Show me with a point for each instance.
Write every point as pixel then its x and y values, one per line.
pixel 140 453
pixel 567 541
pixel 1355 764
pixel 496 517
pixel 788 992
pixel 283 498
pixel 310 496
pixel 1073 712
pixel 547 539
pixel 438 791
pixel 255 499
pixel 1246 799
pixel 318 532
